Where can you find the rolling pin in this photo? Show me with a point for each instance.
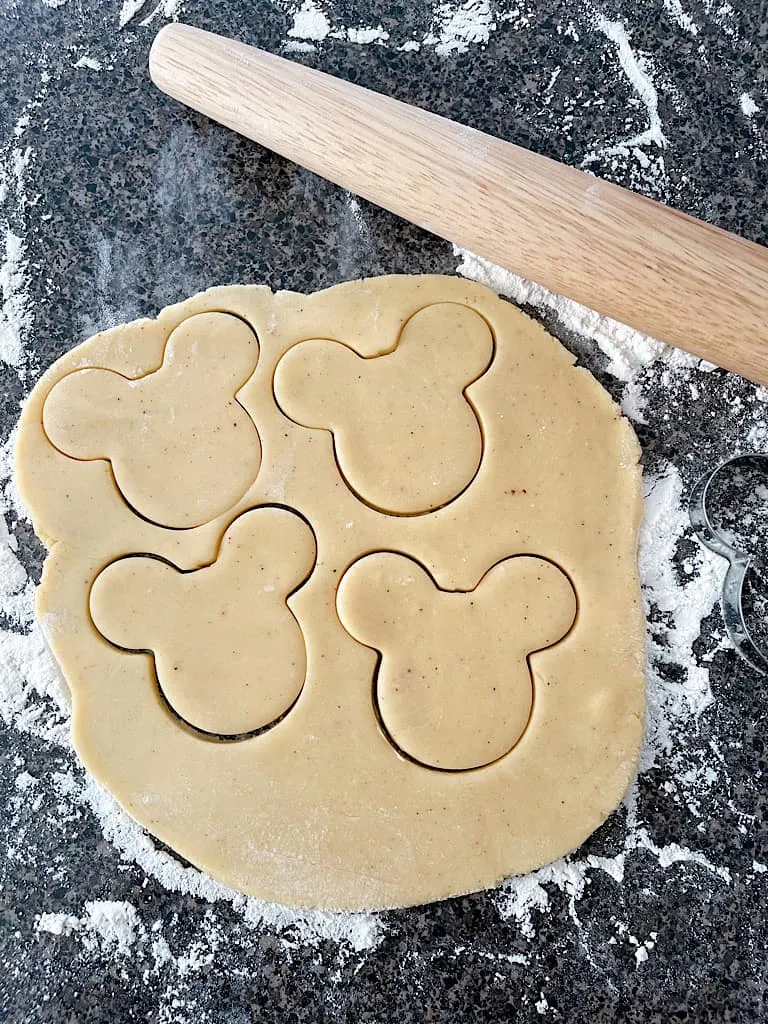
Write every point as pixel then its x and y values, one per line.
pixel 676 278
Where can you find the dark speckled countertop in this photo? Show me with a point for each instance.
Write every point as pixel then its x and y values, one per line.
pixel 115 202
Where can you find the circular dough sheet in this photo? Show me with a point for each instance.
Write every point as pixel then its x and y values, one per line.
pixel 399 652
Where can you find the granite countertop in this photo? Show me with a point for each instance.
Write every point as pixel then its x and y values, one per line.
pixel 116 201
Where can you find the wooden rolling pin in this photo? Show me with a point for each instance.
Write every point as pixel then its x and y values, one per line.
pixel 664 273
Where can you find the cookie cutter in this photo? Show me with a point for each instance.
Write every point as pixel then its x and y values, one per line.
pixel 739 563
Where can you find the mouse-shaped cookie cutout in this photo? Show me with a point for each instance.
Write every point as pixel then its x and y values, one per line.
pixel 182 448
pixel 230 657
pixel 454 689
pixel 406 438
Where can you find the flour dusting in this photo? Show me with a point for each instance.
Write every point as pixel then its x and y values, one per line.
pixel 129 10
pixel 310 23
pixel 89 63
pixel 675 10
pixel 748 106
pixel 57 924
pixel 14 315
pixel 163 9
pixel 645 148
pixel 15 312
pixel 457 27
pixel 111 926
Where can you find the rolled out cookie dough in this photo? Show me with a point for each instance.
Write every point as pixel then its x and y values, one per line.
pixel 395 651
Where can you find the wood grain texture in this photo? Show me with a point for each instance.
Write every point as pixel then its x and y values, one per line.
pixel 676 278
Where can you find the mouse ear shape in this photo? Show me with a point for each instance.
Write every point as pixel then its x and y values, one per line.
pixel 128 600
pixel 451 339
pixel 83 412
pixel 380 592
pixel 536 596
pixel 218 346
pixel 274 548
pixel 312 381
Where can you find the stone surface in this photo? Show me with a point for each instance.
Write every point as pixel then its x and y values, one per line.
pixel 126 202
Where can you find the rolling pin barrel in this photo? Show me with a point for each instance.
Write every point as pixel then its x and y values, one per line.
pixel 635 260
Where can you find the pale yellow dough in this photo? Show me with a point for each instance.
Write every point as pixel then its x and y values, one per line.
pixel 180 421
pixel 413 394
pixel 409 708
pixel 453 688
pixel 228 654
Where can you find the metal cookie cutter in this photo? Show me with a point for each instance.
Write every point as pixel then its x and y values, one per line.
pixel 739 563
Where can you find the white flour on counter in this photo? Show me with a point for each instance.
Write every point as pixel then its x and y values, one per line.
pixel 163 9
pixel 638 72
pixel 111 924
pixel 748 106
